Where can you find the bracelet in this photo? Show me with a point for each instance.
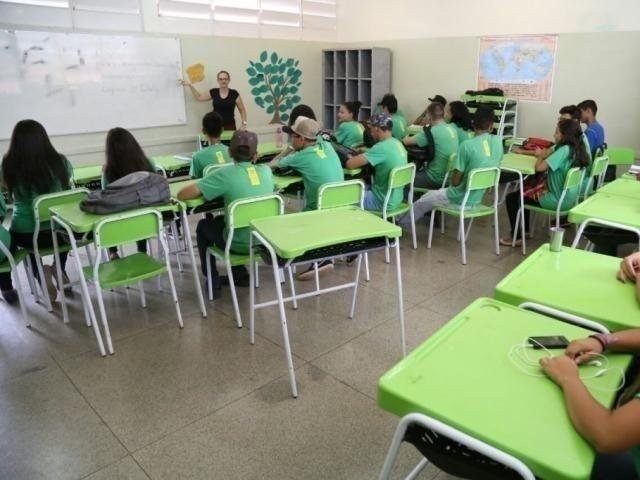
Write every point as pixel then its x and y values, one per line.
pixel 604 339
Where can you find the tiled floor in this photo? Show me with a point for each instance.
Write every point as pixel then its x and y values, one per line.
pixel 202 402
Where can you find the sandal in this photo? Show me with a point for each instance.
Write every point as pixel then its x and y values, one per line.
pixel 508 242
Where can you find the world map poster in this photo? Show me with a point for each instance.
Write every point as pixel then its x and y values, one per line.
pixel 521 65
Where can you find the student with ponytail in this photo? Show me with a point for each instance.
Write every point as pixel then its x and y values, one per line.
pixel 350 131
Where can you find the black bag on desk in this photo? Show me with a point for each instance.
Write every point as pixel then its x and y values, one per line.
pixel 138 189
pixel 423 155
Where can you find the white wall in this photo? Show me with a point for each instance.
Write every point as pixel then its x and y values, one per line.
pixel 383 20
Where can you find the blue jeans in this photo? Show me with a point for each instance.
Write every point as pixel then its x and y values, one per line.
pixel 371 202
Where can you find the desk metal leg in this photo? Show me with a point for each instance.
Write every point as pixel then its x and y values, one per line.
pixel 194 266
pixel 355 286
pixel 523 235
pixel 83 285
pixel 56 256
pixel 400 300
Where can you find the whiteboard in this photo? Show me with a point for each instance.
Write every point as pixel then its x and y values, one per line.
pixel 77 83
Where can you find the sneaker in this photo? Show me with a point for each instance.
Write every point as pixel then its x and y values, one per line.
pixel 10 296
pixel 48 282
pixel 323 267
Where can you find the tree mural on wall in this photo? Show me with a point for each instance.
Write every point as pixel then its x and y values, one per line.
pixel 275 81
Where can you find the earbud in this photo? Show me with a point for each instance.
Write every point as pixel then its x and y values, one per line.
pixel 600 372
pixel 595 363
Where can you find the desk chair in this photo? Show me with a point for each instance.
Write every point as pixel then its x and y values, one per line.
pixel 452 451
pixel 42 215
pixel 596 176
pixel 573 180
pixel 240 213
pixel 479 179
pixel 10 265
pixel 124 228
pixel 399 177
pixel 617 156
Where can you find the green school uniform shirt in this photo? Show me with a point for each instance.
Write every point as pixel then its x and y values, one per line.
pixel 385 156
pixel 399 129
pixel 482 151
pixel 445 138
pixel 241 180
pixel 559 163
pixel 350 134
pixel 104 182
pixel 318 164
pixel 5 238
pixel 22 220
pixel 213 154
pixel 462 133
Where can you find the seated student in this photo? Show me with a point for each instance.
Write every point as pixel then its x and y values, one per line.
pixel 457 115
pixel 385 155
pixel 301 110
pixel 318 164
pixel 216 153
pixel 615 435
pixel 123 156
pixel 569 152
pixel 6 285
pixel 594 131
pixel 350 131
pixel 32 167
pixel 482 151
pixel 445 141
pixel 242 180
pixel 423 119
pixel 389 106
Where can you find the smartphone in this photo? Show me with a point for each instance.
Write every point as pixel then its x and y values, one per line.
pixel 550 342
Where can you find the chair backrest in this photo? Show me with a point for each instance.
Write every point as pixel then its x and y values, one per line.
pixel 201 142
pixel 621 156
pixel 127 227
pixel 43 203
pixel 341 194
pixel 214 166
pixel 450 167
pixel 573 178
pixel 241 212
pixel 401 176
pixel 483 178
pixel 599 165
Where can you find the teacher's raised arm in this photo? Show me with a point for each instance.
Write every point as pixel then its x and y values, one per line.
pixel 224 100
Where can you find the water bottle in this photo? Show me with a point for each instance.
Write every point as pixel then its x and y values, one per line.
pixel 279 139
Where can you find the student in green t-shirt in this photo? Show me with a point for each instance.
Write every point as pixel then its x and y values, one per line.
pixel 350 132
pixel 445 139
pixel 243 179
pixel 386 154
pixel 123 155
pixel 614 434
pixel 6 286
pixel 216 153
pixel 32 167
pixel 482 151
pixel 569 152
pixel 457 115
pixel 389 105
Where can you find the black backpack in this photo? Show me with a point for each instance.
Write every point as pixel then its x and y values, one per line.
pixel 421 156
pixel 138 189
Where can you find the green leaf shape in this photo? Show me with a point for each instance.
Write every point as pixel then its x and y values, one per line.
pixel 264 88
pixel 274 57
pixel 263 56
pixel 253 81
pixel 282 68
pixel 282 108
pixel 255 91
pixel 271 109
pixel 276 91
pixel 280 80
pixel 295 99
pixel 268 98
pixel 284 117
pixel 259 101
pixel 259 67
pixel 251 71
pixel 290 62
pixel 296 64
pixel 292 89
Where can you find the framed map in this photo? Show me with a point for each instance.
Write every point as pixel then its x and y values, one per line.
pixel 521 65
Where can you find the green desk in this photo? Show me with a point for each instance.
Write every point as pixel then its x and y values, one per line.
pixel 612 208
pixel 174 167
pixel 72 220
pixel 521 165
pixel 623 187
pixel 462 376
pixel 226 135
pixel 574 281
pixel 88 176
pixel 311 237
pixel 283 181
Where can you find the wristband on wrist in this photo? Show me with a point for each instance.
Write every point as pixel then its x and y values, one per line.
pixel 605 339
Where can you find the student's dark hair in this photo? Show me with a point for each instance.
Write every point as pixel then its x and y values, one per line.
pixel 212 124
pixel 588 104
pixel 301 110
pixel 572 110
pixel 31 163
pixel 572 136
pixel 390 101
pixel 223 71
pixel 123 155
pixel 483 118
pixel 353 108
pixel 460 115
pixel 435 111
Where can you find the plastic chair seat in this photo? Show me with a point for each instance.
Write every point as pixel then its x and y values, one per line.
pixel 127 270
pixel 399 210
pixel 235 259
pixel 534 208
pixel 19 256
pixel 479 210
